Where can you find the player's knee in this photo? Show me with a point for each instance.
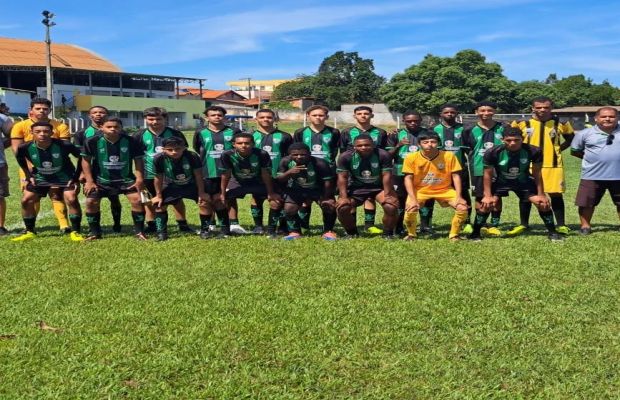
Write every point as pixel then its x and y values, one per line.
pixel 343 208
pixel 328 205
pixel 390 209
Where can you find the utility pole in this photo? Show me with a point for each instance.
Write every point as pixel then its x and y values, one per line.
pixel 47 21
pixel 249 87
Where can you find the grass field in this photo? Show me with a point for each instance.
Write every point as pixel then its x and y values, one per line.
pixel 257 318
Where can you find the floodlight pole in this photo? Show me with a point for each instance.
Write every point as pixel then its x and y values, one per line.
pixel 47 21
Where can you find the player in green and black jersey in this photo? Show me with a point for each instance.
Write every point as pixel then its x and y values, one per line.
pixel 323 142
pixel 401 143
pixel 247 170
pixel 152 139
pixel 47 168
pixel 106 162
pixel 510 164
pixel 486 134
pixel 366 173
pixel 305 179
pixel 210 142
pixel 275 142
pixel 179 176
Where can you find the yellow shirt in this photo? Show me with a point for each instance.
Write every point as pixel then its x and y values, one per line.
pixel 431 176
pixel 545 136
pixel 21 130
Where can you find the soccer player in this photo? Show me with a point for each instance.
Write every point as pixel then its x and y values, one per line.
pixel 151 139
pixel 366 173
pixel 46 165
pixel 544 130
pixel 275 142
pixel 363 125
pixel 433 174
pixel 401 143
pixel 247 170
pixel 39 111
pixel 510 164
pixel 179 176
pixel 210 142
pixel 305 179
pixel 5 140
pixel 323 142
pixel 106 165
pixel 477 140
pixel 97 115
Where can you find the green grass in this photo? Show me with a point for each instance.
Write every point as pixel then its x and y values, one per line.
pixel 254 318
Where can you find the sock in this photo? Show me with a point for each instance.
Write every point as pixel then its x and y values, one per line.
pixel 524 212
pixel 257 215
pixel 467 197
pixel 282 223
pixel 60 211
pixel 411 223
pixel 329 220
pixel 547 217
pixel 182 223
pixel 233 221
pixel 225 222
pixel 304 214
pixel 152 226
pixel 138 221
pixel 557 205
pixel 293 223
pixel 272 220
pixel 399 222
pixel 205 220
pixel 94 223
pixel 29 223
pixel 479 222
pixel 76 222
pixel 457 222
pixel 426 214
pixel 161 221
pixel 369 217
pixel 115 209
pixel 495 217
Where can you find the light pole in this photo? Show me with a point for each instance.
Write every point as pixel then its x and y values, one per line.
pixel 249 88
pixel 47 21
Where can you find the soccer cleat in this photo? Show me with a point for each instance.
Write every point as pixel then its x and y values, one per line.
pixel 427 230
pixel 555 237
pixel 563 229
pixel 222 235
pixel 331 236
pixel 66 230
pixel 161 236
pixel 491 231
pixel 212 228
pixel 76 236
pixel 185 228
pixel 3 231
pixel 350 236
pixel 258 230
pixel 585 231
pixel 205 234
pixel 24 236
pixel 292 236
pixel 517 230
pixel 467 229
pixel 410 238
pixel 93 237
pixel 388 237
pixel 456 238
pixel 373 230
pixel 141 236
pixel 117 228
pixel 475 239
pixel 237 229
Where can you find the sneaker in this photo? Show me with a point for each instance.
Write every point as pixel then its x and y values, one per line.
pixel 555 237
pixel 24 236
pixel 292 236
pixel 563 229
pixel 456 238
pixel 517 230
pixel 475 239
pixel 585 231
pixel 467 229
pixel 76 236
pixel 410 238
pixel 161 236
pixel 3 231
pixel 237 229
pixel 205 234
pixel 150 228
pixel 92 237
pixel 388 237
pixel 117 228
pixel 373 230
pixel 141 236
pixel 491 231
pixel 427 230
pixel 212 228
pixel 222 235
pixel 184 228
pixel 348 236
pixel 331 236
pixel 258 230
pixel 66 230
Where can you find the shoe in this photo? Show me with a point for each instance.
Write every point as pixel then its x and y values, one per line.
pixel 292 236
pixel 456 238
pixel 563 229
pixel 205 234
pixel 491 231
pixel 348 237
pixel 427 230
pixel 76 236
pixel 555 237
pixel 185 228
pixel 141 236
pixel 475 239
pixel 3 231
pixel 117 228
pixel 585 231
pixel 222 235
pixel 150 228
pixel 331 236
pixel 373 230
pixel 410 238
pixel 467 229
pixel 212 228
pixel 92 237
pixel 237 229
pixel 66 230
pixel 162 236
pixel 388 237
pixel 517 230
pixel 258 230
pixel 24 236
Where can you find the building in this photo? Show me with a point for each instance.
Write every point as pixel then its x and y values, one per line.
pixel 83 79
pixel 254 88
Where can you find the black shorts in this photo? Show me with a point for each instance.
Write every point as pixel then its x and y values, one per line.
pixel 590 192
pixel 238 190
pixel 478 186
pixel 172 194
pixel 4 181
pixel 301 196
pixel 399 185
pixel 43 190
pixel 360 195
pixel 212 185
pixel 523 190
pixel 149 185
pixel 112 190
pixel 465 181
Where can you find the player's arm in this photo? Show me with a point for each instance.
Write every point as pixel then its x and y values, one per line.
pixel 393 145
pixel 568 134
pixel 17 137
pixel 386 173
pixel 488 200
pixel 158 183
pixel 22 161
pixel 89 181
pixel 138 163
pixel 63 132
pixel 342 182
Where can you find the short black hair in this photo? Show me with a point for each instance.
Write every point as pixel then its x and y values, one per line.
pixel 363 136
pixel 298 146
pixel 93 107
pixel 362 108
pixel 42 123
pixel 512 131
pixel 242 135
pixel 448 105
pixel 155 112
pixel 411 112
pixel 266 110
pixel 40 100
pixel 542 99
pixel 485 103
pixel 217 109
pixel 426 135
pixel 113 119
pixel 173 141
pixel 317 107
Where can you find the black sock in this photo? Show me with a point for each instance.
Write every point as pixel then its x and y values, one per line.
pixel 479 222
pixel 161 221
pixel 232 221
pixel 293 223
pixel 222 215
pixel 182 223
pixel 76 222
pixel 329 220
pixel 557 205
pixel 152 226
pixel 29 223
pixel 304 215
pixel 138 221
pixel 495 217
pixel 524 212
pixel 282 223
pixel 257 215
pixel 94 223
pixel 205 220
pixel 369 217
pixel 547 217
pixel 426 214
pixel 400 228
pixel 116 209
pixel 272 220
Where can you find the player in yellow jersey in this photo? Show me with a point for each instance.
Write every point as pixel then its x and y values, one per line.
pixel 546 132
pixel 433 174
pixel 21 133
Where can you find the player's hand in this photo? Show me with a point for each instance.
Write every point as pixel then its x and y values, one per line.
pixel 296 170
pixel 461 201
pixel 274 198
pixel 393 132
pixel 31 181
pixel 343 202
pixel 74 185
pixel 157 201
pixel 138 184
pixel 89 187
pixel 204 199
pixel 412 205
pixel 403 142
pixel 487 203
pixel 541 201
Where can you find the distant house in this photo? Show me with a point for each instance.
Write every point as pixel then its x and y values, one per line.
pixel 211 95
pixel 579 116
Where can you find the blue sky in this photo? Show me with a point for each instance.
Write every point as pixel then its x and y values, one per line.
pixel 227 40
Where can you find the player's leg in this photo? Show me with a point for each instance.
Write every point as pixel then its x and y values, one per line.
pixel 328 208
pixel 346 215
pixel 116 209
pixel 75 211
pixel 179 214
pixel 60 210
pixel 292 204
pixel 390 213
pixel 426 217
pixel 465 193
pixel 370 212
pixel 461 212
pixel 30 197
pixel 558 208
pixel 161 221
pixel 4 193
pixel 546 214
pixel 93 214
pixel 137 214
pixel 304 213
pixel 410 219
pixel 401 194
pixel 149 210
pixel 256 209
pixel 212 187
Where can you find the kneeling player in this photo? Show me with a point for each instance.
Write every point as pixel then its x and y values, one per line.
pixel 510 163
pixel 366 173
pixel 51 172
pixel 432 174
pixel 306 179
pixel 178 176
pixel 106 161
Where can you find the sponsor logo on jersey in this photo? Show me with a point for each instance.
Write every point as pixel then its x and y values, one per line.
pixel 524 160
pixel 159 149
pixel 267 148
pixel 114 158
pixel 441 165
pixel 55 155
pixel 488 145
pixel 124 149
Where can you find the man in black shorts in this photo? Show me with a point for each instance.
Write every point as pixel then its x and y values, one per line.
pixel 366 173
pixel 305 179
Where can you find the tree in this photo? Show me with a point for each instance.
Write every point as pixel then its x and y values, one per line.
pixel 527 90
pixel 464 79
pixel 300 87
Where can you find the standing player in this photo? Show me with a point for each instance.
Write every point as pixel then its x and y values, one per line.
pixel 97 115
pixel 151 139
pixel 106 163
pixel 305 179
pixel 46 165
pixel 275 142
pixel 210 142
pixel 363 125
pixel 39 111
pixel 544 131
pixel 323 142
pixel 247 170
pixel 366 173
pixel 478 139
pixel 5 140
pixel 433 174
pixel 510 164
